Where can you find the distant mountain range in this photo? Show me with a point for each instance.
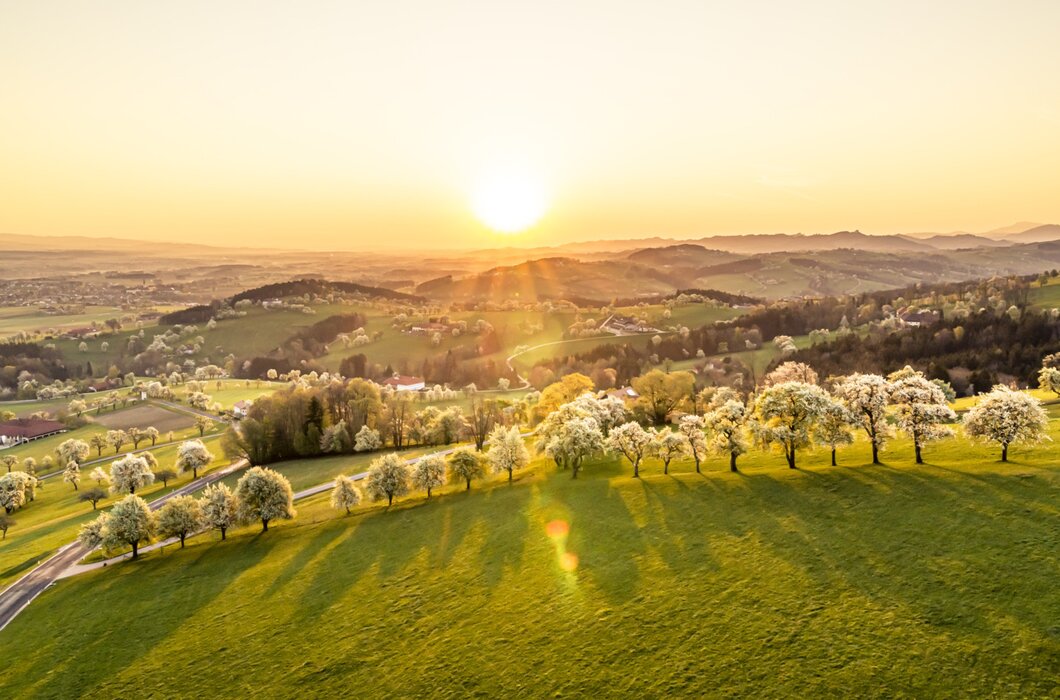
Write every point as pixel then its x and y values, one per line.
pixel 767 266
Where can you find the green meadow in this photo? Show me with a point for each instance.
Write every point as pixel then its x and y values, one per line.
pixel 55 516
pixel 896 580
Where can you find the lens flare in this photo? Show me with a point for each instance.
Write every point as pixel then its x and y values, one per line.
pixel 557 529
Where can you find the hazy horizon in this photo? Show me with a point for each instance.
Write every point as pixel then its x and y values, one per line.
pixel 342 128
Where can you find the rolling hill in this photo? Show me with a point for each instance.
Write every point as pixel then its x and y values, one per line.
pixel 764 275
pixel 1038 234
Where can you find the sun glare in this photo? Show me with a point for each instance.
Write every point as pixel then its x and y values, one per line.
pixel 509 203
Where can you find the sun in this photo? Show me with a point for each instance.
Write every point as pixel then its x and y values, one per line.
pixel 509 202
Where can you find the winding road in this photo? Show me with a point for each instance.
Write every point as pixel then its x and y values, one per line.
pixel 65 562
pixel 22 592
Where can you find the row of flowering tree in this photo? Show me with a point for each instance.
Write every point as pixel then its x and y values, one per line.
pixel 261 495
pixel 790 413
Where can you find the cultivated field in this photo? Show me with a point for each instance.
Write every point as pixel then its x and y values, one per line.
pixel 145 415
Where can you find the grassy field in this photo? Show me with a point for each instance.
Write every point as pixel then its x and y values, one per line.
pixel 27 318
pixel 233 391
pixel 934 581
pixel 53 519
pixel 52 406
pixel 1047 297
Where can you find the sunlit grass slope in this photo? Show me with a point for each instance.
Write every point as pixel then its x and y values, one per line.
pixel 892 580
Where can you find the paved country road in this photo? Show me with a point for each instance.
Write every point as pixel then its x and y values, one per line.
pixel 64 563
pixel 22 592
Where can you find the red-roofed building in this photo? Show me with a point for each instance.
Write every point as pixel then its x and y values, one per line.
pixel 20 430
pixel 400 382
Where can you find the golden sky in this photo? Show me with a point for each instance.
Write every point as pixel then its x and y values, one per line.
pixel 369 124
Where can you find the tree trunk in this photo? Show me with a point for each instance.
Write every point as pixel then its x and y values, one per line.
pixel 224 532
pixel 428 492
pixel 697 466
pixel 919 459
pixel 136 549
pixel 194 474
pixel 182 536
pixel 509 476
pixel 264 525
pixel 468 484
pixel 833 456
pixel 875 453
pixel 790 454
pixel 732 462
pixel 666 467
pixel 1004 452
pixel 347 510
pixel 636 470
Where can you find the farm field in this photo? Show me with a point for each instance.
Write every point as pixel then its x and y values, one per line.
pixel 1048 296
pixel 756 582
pixel 52 406
pixel 143 415
pixel 120 419
pixel 27 318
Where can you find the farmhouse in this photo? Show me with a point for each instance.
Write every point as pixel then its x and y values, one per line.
pixel 626 393
pixel 400 382
pixel 20 430
pixel 627 324
pixel 918 318
pixel 240 408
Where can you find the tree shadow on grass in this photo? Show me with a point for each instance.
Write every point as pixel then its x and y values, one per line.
pixel 603 534
pixel 83 651
pixel 297 565
pixel 389 541
pixel 944 556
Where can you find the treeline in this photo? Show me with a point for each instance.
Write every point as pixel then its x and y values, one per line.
pixel 983 346
pixel 353 416
pixel 41 362
pixel 193 315
pixel 319 287
pixel 280 290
